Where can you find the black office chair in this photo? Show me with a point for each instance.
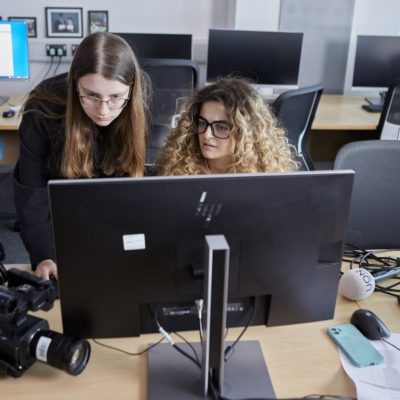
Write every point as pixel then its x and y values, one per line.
pixel 389 122
pixel 374 220
pixel 171 79
pixel 295 110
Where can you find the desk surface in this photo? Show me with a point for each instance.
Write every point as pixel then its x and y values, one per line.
pixel 301 360
pixel 335 112
pixel 11 124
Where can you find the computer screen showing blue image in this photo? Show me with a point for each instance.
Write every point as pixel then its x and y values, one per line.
pixel 14 60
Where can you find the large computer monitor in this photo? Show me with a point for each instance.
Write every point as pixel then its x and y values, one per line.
pixel 376 66
pixel 122 244
pixel 377 62
pixel 14 59
pixel 159 45
pixel 268 58
pixel 14 54
pixel 131 249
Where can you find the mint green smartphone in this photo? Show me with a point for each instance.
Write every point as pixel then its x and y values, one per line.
pixel 355 345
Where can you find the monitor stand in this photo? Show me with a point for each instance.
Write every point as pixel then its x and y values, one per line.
pixel 243 375
pixel 375 104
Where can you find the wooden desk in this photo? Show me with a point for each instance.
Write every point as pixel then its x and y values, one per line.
pixel 335 112
pixel 8 131
pixel 344 113
pixel 340 120
pixel 301 360
pixel 11 124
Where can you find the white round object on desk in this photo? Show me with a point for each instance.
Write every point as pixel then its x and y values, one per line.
pixel 356 284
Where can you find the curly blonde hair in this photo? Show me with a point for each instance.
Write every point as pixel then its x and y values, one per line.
pixel 260 145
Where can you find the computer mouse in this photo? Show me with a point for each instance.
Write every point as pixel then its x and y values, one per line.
pixel 8 113
pixel 369 324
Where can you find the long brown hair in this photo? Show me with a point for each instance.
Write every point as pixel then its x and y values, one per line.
pixel 110 56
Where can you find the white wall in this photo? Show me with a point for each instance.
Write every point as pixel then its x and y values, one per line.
pixel 186 16
pixel 164 16
pixel 260 15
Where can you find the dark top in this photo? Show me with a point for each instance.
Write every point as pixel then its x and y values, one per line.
pixel 41 146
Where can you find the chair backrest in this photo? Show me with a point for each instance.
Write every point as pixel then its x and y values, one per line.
pixel 295 110
pixel 374 220
pixel 171 79
pixel 389 122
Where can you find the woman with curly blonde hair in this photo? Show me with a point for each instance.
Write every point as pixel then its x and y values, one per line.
pixel 225 127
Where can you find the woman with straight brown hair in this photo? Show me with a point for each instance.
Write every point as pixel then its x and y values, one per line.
pixel 89 123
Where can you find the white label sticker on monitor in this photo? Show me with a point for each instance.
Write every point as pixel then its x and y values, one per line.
pixel 134 242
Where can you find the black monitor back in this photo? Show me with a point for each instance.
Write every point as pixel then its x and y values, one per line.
pixel 159 45
pixel 125 245
pixel 268 58
pixel 377 61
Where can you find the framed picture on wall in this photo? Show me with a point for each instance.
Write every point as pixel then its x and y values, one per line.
pixel 30 22
pixel 98 21
pixel 64 22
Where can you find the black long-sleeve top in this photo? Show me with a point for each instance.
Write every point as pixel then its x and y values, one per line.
pixel 41 147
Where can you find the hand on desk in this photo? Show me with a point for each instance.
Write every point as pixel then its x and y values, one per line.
pixel 46 268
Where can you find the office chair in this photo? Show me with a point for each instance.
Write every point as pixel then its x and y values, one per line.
pixel 389 122
pixel 295 110
pixel 374 212
pixel 170 80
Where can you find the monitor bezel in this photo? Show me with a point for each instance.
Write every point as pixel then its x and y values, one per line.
pixel 24 48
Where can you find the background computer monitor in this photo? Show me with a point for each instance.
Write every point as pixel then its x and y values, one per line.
pixel 268 58
pixel 377 62
pixel 159 45
pixel 126 247
pixel 14 58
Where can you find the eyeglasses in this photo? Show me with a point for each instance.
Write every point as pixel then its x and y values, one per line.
pixel 219 129
pixel 115 103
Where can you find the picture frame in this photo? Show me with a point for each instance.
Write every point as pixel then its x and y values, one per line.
pixel 64 22
pixel 97 21
pixel 30 22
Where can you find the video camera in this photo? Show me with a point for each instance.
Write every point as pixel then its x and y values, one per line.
pixel 25 338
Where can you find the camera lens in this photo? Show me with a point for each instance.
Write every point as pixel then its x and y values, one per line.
pixel 60 351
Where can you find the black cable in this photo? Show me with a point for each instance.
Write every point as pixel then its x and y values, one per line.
pixel 128 352
pixel 57 66
pixel 187 355
pixel 48 70
pixel 229 349
pixel 393 345
pixel 189 344
pixel 375 265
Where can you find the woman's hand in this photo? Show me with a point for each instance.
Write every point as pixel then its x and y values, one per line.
pixel 46 269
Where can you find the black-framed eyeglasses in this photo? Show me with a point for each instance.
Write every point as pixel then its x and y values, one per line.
pixel 115 103
pixel 219 129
